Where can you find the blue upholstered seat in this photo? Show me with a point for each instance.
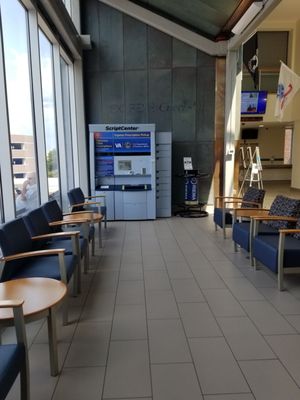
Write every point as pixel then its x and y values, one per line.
pixel 53 213
pixel 253 198
pixel 281 206
pixel 11 359
pixel 37 224
pixel 79 202
pixel 14 239
pixel 14 357
pixel 280 253
pixel 241 233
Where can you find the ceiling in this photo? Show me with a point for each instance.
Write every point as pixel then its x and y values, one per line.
pixel 212 19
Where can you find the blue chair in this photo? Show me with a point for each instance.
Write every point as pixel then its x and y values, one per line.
pixel 45 237
pixel 14 357
pixel 54 214
pixel 280 253
pixel 79 202
pixel 21 260
pixel 282 206
pixel 224 206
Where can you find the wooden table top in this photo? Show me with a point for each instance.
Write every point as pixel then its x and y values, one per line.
pixel 39 294
pixel 80 217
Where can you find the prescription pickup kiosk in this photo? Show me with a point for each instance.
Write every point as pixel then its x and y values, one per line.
pixel 122 167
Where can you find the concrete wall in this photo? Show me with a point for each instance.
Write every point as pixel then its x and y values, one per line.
pixel 137 74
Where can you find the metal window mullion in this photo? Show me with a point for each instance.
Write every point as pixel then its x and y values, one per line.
pixel 75 151
pixel 59 119
pixel 38 105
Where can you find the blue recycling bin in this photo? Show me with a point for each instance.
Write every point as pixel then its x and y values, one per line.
pixel 191 190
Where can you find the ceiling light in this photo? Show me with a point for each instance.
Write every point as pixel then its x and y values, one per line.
pixel 249 15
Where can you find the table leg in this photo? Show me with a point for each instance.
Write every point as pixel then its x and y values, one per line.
pixel 51 320
pixel 100 234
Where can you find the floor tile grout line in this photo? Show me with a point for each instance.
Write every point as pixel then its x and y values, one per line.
pixel 146 315
pixel 113 314
pixel 277 358
pixel 229 347
pixel 181 321
pixel 76 327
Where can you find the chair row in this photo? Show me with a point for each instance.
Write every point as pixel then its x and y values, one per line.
pixel 35 245
pixel 271 236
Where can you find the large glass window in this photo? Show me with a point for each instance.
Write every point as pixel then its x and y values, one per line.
pixel 64 67
pixel 46 60
pixel 19 100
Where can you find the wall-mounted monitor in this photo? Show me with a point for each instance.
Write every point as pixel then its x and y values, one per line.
pixel 249 133
pixel 254 102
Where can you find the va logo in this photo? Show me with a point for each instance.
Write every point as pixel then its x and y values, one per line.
pixel 280 90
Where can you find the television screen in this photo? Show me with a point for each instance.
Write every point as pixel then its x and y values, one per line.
pixel 249 133
pixel 254 102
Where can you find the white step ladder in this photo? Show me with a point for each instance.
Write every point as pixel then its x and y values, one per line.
pixel 252 167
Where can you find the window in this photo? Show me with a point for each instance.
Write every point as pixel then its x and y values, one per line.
pixel 47 76
pixel 17 146
pixel 19 101
pixel 288 140
pixel 65 85
pixel 19 176
pixel 18 161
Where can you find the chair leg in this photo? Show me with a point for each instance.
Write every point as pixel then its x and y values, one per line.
pixel 235 247
pixel 100 234
pixel 105 221
pixel 86 259
pixel 24 379
pixel 79 275
pixel 216 227
pixel 280 279
pixel 51 320
pixel 65 313
pixel 224 232
pixel 280 259
pixel 93 245
pixel 254 263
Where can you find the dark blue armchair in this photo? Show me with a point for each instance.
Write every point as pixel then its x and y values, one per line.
pixel 79 202
pixel 54 216
pixel 280 253
pixel 282 206
pixel 21 260
pixel 14 357
pixel 224 206
pixel 45 237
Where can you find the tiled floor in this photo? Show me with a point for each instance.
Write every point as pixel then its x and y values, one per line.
pixel 170 312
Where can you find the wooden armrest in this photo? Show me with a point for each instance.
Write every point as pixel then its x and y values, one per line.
pixel 66 222
pixel 37 253
pixel 275 218
pixel 77 212
pixel 228 197
pixel 241 202
pixel 87 203
pixel 56 235
pixel 289 231
pixel 94 197
pixel 11 303
pixel 250 212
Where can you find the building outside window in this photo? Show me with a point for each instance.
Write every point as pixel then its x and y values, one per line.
pixel 47 76
pixel 15 35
